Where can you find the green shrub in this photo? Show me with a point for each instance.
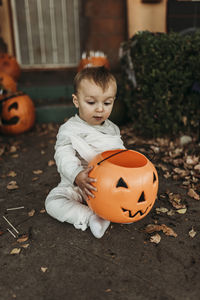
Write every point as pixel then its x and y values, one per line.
pixel 165 67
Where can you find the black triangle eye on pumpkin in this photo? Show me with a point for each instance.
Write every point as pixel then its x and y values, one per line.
pixel 121 183
pixel 127 185
pixel 142 198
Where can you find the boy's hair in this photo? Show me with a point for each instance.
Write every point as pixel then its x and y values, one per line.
pixel 100 75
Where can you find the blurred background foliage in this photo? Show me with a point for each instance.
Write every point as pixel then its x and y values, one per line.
pixel 160 82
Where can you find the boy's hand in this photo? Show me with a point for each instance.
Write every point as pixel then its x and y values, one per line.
pixel 84 183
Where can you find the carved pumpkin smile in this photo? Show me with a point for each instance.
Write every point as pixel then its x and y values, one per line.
pixel 128 213
pixel 127 185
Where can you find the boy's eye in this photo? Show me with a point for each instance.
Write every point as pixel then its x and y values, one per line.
pixel 107 103
pixel 90 102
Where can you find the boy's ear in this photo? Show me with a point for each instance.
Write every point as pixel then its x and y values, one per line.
pixel 75 100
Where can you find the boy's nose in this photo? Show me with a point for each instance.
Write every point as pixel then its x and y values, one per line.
pixel 99 107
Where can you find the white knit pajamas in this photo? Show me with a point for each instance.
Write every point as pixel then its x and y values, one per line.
pixel 77 144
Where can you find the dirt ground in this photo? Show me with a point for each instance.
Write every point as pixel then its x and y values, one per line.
pixel 53 260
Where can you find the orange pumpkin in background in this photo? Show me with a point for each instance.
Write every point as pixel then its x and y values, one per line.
pixel 9 65
pixel 7 85
pixel 127 185
pixel 93 59
pixel 17 114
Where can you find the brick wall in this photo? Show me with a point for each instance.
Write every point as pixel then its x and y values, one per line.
pixel 103 27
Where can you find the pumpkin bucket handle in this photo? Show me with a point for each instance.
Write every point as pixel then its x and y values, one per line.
pixel 111 156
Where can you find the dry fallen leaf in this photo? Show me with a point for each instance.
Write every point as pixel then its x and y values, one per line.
pixel 13 149
pixel 25 246
pixel 44 269
pixel 167 230
pixel 108 290
pixel 181 211
pixel 51 163
pixel 155 238
pixel 23 238
pixel 12 174
pixel 161 210
pixel 192 233
pixel 192 160
pixel 171 212
pixel 181 172
pixel 15 251
pixel 31 213
pixel 197 167
pixel 193 194
pixel 37 172
pixel 12 185
pixel 175 200
pixel 35 178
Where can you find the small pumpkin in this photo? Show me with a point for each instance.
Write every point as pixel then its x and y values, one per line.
pixel 94 59
pixel 10 66
pixel 17 114
pixel 127 185
pixel 7 85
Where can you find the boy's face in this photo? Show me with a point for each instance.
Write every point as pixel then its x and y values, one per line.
pixel 94 104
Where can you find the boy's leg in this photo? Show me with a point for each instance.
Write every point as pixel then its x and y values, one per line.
pixel 63 204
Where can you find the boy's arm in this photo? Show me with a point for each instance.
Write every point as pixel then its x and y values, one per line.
pixel 68 164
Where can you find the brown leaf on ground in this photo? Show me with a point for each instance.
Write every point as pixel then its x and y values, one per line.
pixel 175 200
pixel 166 230
pixel 31 213
pixel 51 163
pixel 156 238
pixel 192 233
pixel 15 251
pixel 12 174
pixel 44 269
pixel 23 238
pixel 13 149
pixel 25 246
pixel 161 210
pixel 192 160
pixel 37 172
pixel 12 185
pixel 35 178
pixel 181 211
pixel 197 167
pixel 193 194
pixel 181 172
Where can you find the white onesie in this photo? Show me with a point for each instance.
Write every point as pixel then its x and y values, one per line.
pixel 77 144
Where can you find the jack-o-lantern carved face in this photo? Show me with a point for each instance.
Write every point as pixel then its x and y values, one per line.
pixel 17 114
pixel 127 185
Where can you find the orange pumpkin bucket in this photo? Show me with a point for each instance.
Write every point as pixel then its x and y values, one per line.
pixel 127 185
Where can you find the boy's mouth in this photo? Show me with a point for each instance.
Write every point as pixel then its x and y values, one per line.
pixel 98 118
